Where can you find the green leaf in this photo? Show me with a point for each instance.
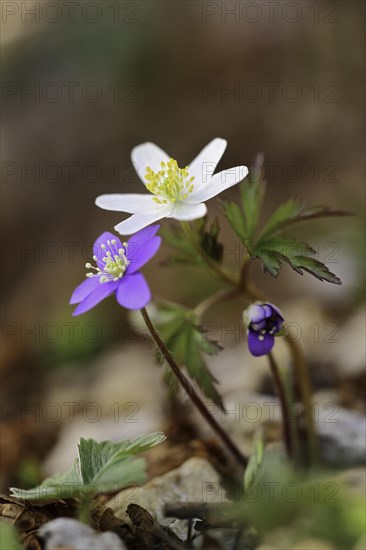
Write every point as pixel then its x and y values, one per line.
pixel 59 486
pixel 187 343
pixel 255 464
pixel 298 255
pixel 98 459
pixel 314 267
pixel 244 219
pixel 100 468
pixel 235 217
pixel 293 212
pixel 252 193
pixel 284 213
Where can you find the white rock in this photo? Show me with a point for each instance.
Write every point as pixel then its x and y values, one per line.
pixel 70 533
pixel 194 481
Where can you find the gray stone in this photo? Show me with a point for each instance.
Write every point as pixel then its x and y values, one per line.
pixel 342 437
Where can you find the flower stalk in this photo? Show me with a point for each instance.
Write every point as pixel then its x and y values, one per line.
pixel 192 394
pixel 280 390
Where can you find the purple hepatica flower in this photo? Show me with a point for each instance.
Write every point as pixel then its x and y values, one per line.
pixel 263 322
pixel 116 271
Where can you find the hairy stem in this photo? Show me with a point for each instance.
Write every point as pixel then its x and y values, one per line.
pixel 193 395
pixel 287 432
pixel 301 376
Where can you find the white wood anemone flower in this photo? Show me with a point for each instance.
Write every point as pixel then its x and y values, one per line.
pixel 174 192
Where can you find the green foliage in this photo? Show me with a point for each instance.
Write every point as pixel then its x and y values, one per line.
pixel 314 505
pixel 188 343
pixel 244 218
pixel 195 244
pixel 9 537
pixel 99 468
pixel 252 195
pixel 296 254
pixel 294 212
pixel 253 469
pixel 270 245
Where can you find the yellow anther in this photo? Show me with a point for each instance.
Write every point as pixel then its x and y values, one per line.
pixel 170 184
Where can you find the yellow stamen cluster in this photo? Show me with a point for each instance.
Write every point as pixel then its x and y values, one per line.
pixel 115 263
pixel 171 184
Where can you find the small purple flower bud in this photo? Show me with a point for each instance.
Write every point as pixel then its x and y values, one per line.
pixel 263 321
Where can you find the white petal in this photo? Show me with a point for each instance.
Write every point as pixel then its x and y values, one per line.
pixel 204 165
pixel 218 183
pixel 147 154
pixel 142 219
pixel 127 202
pixel 187 212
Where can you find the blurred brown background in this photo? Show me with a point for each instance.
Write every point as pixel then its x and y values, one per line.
pixel 83 84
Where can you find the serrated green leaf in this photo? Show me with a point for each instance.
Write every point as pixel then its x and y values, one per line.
pixel 187 342
pixel 279 248
pixel 314 267
pixel 270 261
pixel 96 459
pixel 100 468
pixel 59 486
pixel 296 254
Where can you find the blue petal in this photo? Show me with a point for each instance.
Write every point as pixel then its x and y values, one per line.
pixel 85 288
pixel 133 291
pixel 259 347
pixel 139 238
pixel 146 252
pixel 102 291
pixel 256 313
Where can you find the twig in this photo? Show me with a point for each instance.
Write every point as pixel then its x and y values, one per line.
pixel 287 432
pixel 193 395
pixel 305 390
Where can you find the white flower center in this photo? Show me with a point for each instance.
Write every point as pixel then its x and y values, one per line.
pixel 171 184
pixel 115 263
